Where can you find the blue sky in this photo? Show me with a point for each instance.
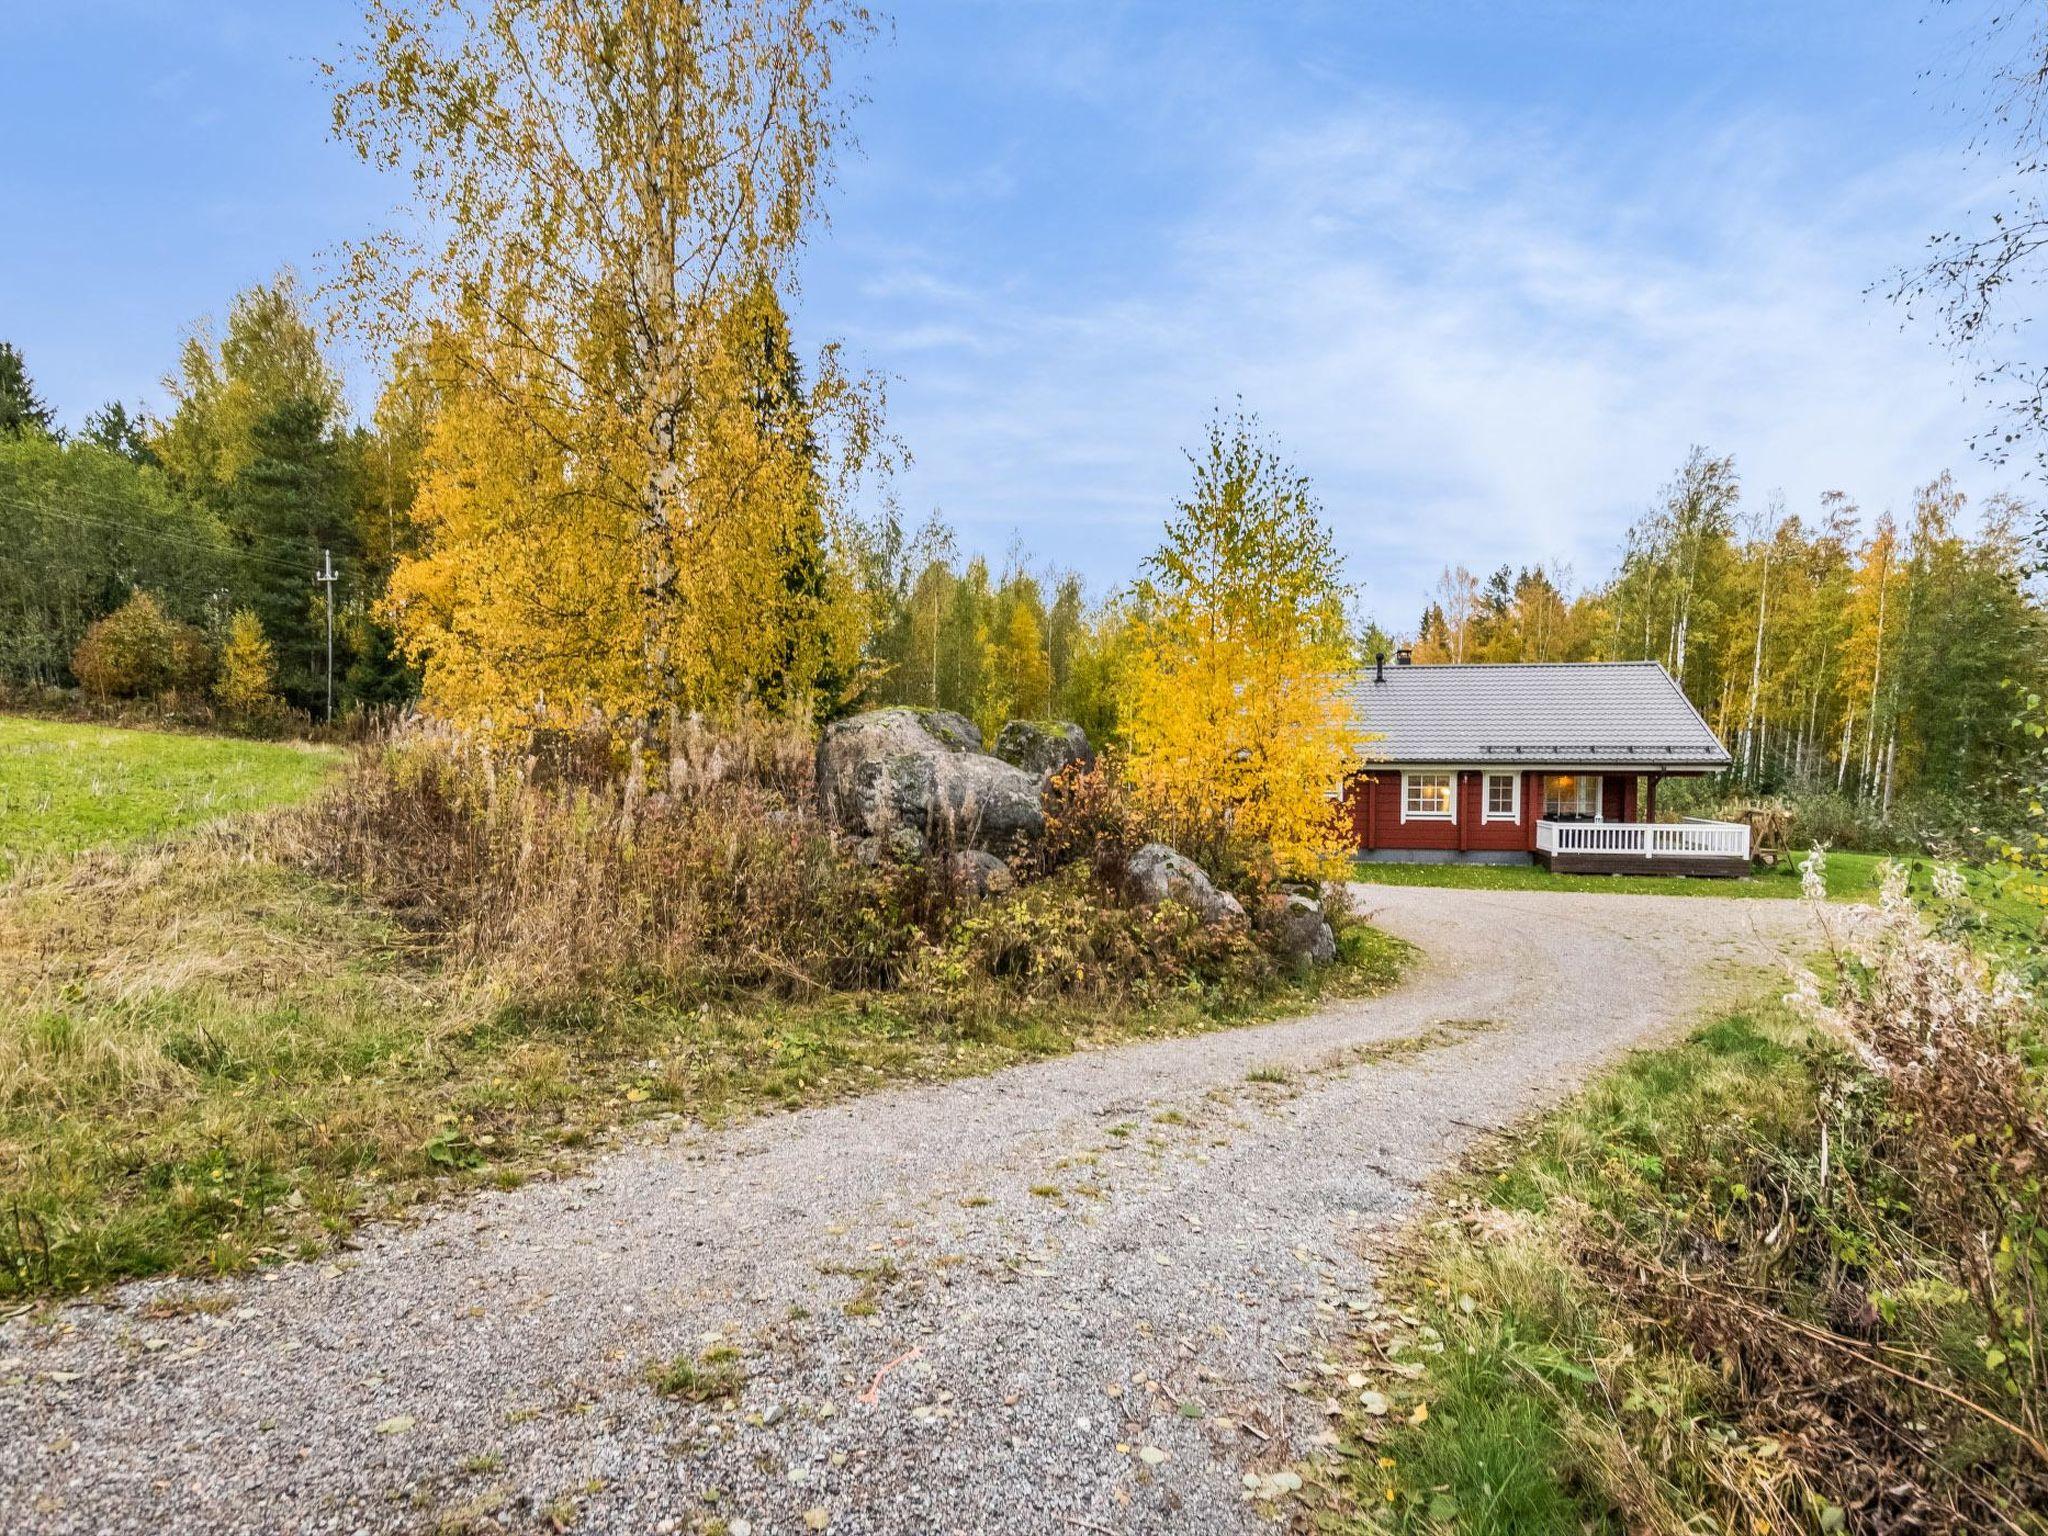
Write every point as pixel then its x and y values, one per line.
pixel 1486 270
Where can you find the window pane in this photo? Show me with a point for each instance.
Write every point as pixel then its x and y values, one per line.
pixel 1569 794
pixel 1429 794
pixel 1500 794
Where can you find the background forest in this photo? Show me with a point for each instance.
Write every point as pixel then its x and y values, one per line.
pixel 1863 665
pixel 602 481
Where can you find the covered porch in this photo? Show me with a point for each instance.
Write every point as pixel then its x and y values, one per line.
pixel 1549 763
pixel 1690 846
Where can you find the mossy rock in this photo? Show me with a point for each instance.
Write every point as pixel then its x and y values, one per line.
pixel 1043 747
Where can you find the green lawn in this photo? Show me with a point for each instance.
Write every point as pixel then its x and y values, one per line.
pixel 66 787
pixel 2008 912
pixel 1851 877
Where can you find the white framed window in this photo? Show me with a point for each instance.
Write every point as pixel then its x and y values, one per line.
pixel 1428 796
pixel 1571 794
pixel 1503 797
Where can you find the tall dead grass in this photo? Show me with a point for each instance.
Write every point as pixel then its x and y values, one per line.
pixel 700 866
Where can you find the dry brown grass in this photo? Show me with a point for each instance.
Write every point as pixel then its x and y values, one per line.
pixel 454 969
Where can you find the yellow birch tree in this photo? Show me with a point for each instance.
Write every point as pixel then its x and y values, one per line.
pixel 1232 702
pixel 629 489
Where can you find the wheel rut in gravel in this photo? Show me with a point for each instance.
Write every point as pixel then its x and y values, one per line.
pixel 1087 1294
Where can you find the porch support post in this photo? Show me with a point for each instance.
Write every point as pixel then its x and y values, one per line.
pixel 1650 796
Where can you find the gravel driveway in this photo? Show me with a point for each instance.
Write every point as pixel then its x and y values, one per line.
pixel 1070 1297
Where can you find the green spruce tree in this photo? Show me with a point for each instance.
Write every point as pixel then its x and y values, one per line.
pixel 22 410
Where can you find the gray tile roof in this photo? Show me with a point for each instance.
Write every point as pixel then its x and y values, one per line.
pixel 1564 714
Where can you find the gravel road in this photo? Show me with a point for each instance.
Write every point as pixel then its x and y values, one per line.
pixel 1066 1298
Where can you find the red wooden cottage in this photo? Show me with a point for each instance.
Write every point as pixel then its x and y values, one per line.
pixel 1552 762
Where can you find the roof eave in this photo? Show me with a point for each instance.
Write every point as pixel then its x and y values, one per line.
pixel 1639 761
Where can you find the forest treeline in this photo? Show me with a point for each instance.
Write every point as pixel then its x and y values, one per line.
pixel 1871 657
pixel 224 506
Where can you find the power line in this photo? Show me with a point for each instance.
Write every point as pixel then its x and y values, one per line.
pixel 114 505
pixel 228 550
pixel 109 503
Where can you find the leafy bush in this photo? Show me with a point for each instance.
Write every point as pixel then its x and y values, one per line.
pixel 1924 821
pixel 140 651
pixel 1058 938
pixel 1093 813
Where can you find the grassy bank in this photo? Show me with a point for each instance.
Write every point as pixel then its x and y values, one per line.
pixel 66 787
pixel 1512 1390
pixel 240 1045
pixel 1740 1284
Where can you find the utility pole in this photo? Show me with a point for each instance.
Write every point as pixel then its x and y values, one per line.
pixel 325 576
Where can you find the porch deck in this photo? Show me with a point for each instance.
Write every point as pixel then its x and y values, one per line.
pixel 1689 847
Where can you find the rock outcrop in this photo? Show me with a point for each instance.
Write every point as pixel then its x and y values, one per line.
pixel 916 770
pixel 1156 873
pixel 1043 747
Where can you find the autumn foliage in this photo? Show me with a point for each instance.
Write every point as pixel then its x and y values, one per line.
pixel 139 651
pixel 246 683
pixel 1232 703
pixel 629 484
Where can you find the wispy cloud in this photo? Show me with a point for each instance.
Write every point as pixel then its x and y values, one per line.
pixel 1487 343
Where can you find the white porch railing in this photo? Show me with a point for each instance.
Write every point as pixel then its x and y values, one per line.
pixel 1690 838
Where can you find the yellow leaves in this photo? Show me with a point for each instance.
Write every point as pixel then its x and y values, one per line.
pixel 245 683
pixel 1231 700
pixel 531 598
pixel 626 489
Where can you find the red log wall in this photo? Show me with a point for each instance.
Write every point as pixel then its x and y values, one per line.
pixel 1373 800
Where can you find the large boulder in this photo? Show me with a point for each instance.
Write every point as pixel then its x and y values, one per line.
pixel 1156 873
pixel 1043 747
pixel 1298 929
pixel 923 770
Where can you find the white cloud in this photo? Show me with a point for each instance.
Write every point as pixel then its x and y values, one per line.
pixel 1486 344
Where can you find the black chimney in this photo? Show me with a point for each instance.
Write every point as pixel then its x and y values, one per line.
pixel 1379 666
pixel 1404 657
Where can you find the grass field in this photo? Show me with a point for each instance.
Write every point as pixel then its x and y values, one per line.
pixel 67 787
pixel 209 1058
